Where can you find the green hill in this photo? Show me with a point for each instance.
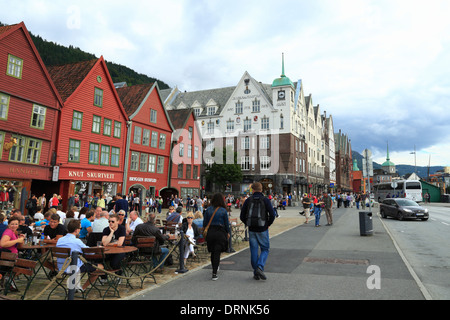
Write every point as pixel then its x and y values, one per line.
pixel 55 54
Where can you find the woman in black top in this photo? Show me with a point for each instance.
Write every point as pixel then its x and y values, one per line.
pixel 218 232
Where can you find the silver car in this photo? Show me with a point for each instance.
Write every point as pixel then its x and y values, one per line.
pixel 403 209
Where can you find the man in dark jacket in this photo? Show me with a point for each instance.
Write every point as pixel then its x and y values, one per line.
pixel 258 235
pixel 148 229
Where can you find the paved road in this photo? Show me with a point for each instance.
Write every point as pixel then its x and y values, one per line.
pixel 306 263
pixel 426 247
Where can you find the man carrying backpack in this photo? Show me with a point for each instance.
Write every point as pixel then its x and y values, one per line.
pixel 257 214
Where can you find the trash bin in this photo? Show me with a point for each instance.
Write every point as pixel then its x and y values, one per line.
pixel 365 223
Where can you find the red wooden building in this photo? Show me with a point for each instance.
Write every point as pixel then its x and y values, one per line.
pixel 147 163
pixel 92 130
pixel 29 112
pixel 186 153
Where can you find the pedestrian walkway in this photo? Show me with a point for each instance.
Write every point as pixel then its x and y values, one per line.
pixel 305 262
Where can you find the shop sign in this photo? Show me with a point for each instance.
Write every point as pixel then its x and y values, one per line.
pixel 139 179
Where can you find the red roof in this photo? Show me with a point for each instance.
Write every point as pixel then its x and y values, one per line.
pixel 133 96
pixel 68 77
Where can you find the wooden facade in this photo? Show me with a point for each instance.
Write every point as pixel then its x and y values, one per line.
pixel 29 112
pixel 147 164
pixel 92 130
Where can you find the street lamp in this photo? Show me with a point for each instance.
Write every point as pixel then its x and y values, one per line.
pixel 414 153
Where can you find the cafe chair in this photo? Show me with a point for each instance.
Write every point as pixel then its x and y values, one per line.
pixel 93 238
pixel 7 260
pixel 61 279
pixel 97 255
pixel 142 261
pixel 25 268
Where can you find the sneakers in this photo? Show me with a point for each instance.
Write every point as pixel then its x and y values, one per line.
pixel 214 277
pixel 260 274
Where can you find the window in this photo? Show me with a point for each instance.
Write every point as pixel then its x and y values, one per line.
pixel 26 150
pixel 230 125
pixel 189 153
pixel 229 143
pixel 15 67
pixel 209 145
pixel 151 163
pixel 153 116
pixel 146 137
pixel 117 129
pixel 245 143
pixel 38 117
pixel 188 171
pixel 74 150
pixel 154 143
pixel 98 97
pixel 4 106
pixel 264 162
pixel 18 150
pixel 180 170
pixel 281 122
pixel 2 139
pixel 143 162
pixel 190 133
pixel 256 105
pixel 134 163
pixel 195 173
pixel 195 152
pixel 197 112
pixel 160 167
pixel 33 151
pixel 162 141
pixel 77 120
pixel 239 107
pixel 96 123
pixel 247 124
pixel 115 156
pixel 181 149
pixel 265 123
pixel 93 153
pixel 104 160
pixel 210 127
pixel 264 142
pixel 107 124
pixel 211 111
pixel 245 163
pixel 137 135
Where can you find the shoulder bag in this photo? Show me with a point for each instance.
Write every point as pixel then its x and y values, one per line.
pixel 205 231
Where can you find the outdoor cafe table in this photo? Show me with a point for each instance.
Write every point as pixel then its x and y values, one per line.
pixel 40 258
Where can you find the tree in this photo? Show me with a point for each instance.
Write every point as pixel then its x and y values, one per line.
pixel 225 173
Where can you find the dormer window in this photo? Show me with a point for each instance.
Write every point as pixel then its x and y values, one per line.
pixel 211 111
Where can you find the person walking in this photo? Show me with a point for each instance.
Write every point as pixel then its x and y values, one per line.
pixel 328 205
pixel 257 214
pixel 216 217
pixel 317 210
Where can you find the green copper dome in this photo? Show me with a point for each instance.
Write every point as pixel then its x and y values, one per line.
pixel 388 162
pixel 283 80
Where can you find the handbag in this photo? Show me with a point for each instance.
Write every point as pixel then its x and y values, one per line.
pixel 205 231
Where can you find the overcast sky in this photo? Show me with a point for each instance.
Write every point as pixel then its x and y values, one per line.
pixel 381 68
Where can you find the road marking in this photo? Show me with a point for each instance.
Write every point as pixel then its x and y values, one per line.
pixel 445 223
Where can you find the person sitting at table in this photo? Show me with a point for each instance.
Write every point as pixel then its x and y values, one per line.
pixel 149 229
pixel 38 214
pixel 176 215
pixel 121 215
pixel 54 230
pixel 192 232
pixel 43 223
pixel 71 241
pixel 115 234
pixel 86 225
pixel 101 223
pixel 70 215
pixel 10 238
pixel 132 221
pixel 23 228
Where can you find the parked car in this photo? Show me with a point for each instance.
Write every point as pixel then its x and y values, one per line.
pixel 402 209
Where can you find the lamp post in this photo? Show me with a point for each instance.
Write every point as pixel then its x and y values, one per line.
pixel 415 164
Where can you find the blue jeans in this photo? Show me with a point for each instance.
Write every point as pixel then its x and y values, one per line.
pixel 162 256
pixel 317 212
pixel 259 240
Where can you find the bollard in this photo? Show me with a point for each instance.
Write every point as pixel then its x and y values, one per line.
pixel 182 268
pixel 72 278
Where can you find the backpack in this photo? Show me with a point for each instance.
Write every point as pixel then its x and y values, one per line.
pixel 256 212
pixel 29 205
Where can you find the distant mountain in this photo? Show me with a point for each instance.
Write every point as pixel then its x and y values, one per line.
pixel 55 54
pixel 402 169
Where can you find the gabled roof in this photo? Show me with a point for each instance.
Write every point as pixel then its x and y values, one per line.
pixel 133 96
pixel 179 117
pixel 7 30
pixel 68 77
